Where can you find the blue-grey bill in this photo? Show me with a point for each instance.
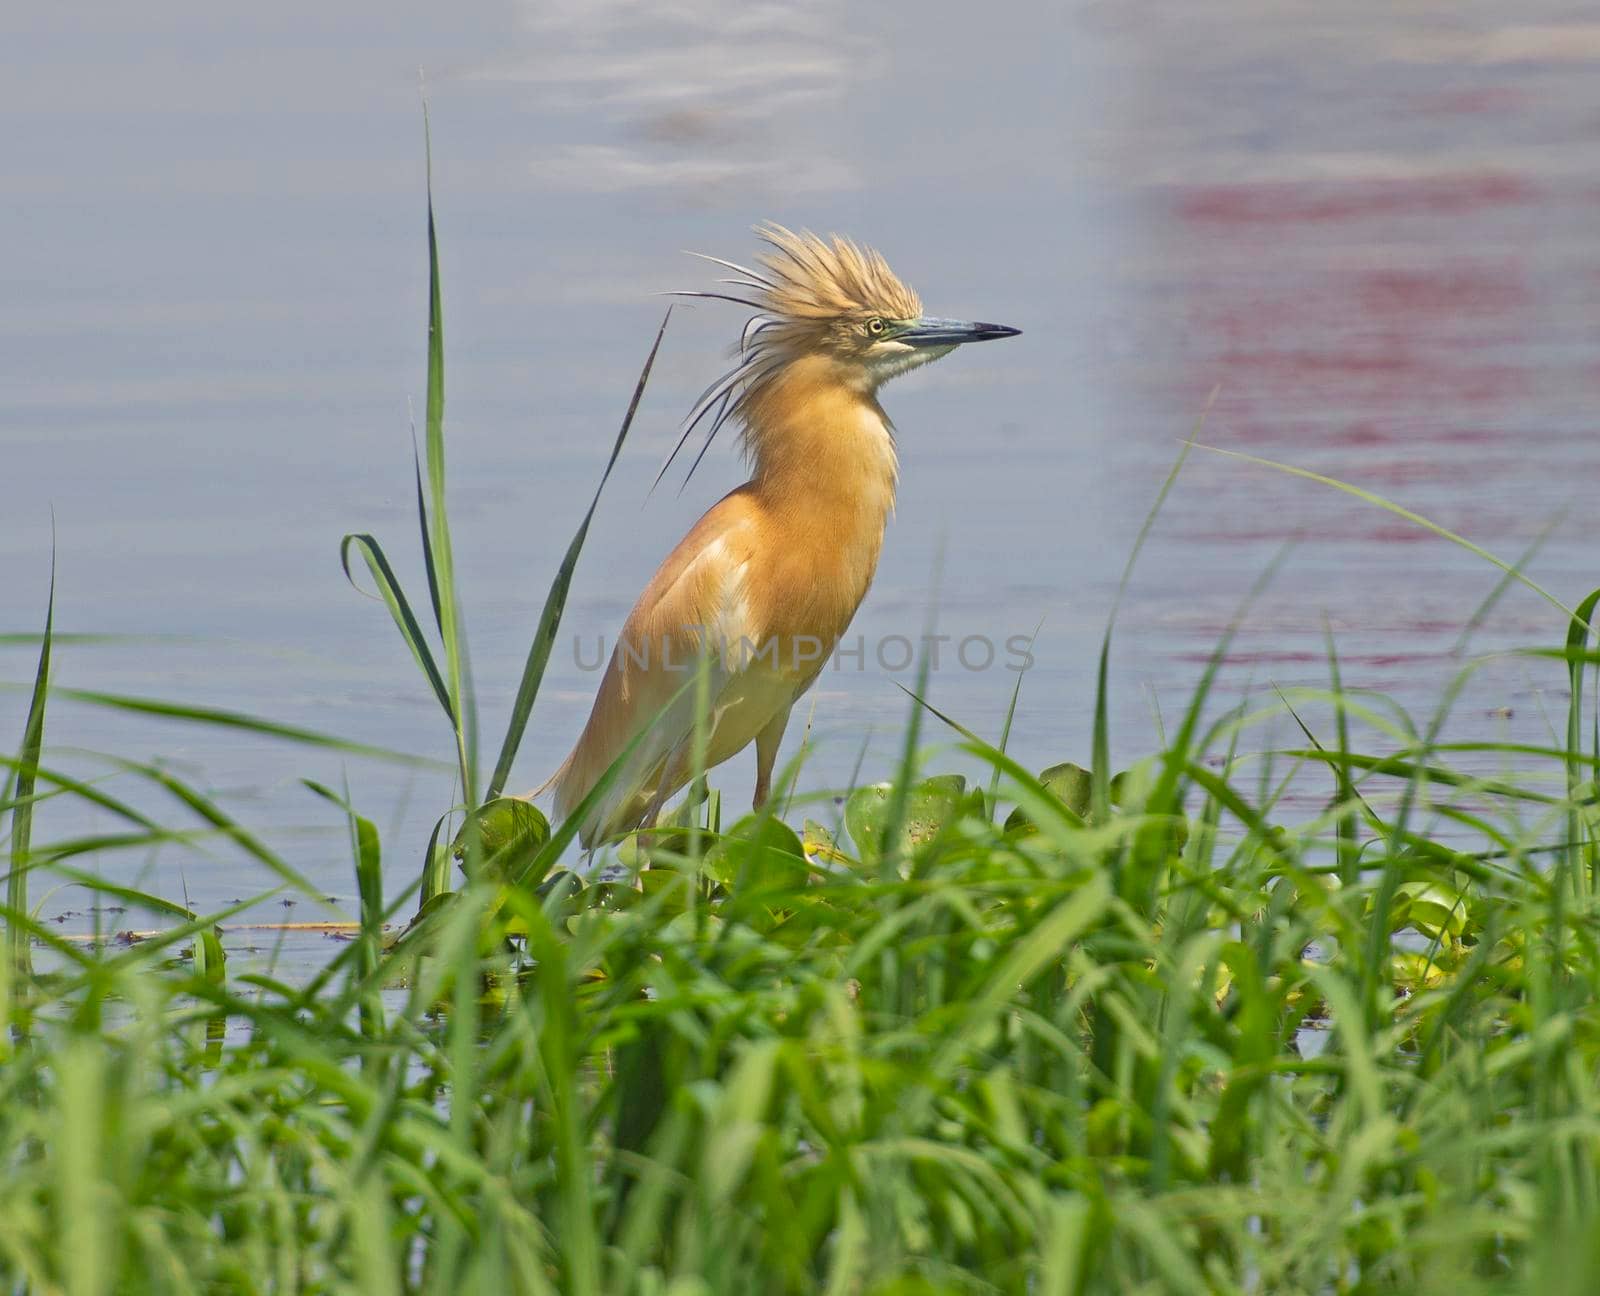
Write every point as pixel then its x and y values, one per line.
pixel 949 332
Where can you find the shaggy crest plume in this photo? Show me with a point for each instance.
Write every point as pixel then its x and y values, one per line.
pixel 810 278
pixel 810 294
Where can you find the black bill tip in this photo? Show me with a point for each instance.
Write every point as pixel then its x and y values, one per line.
pixel 987 332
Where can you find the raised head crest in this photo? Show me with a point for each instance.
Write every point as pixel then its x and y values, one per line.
pixel 812 279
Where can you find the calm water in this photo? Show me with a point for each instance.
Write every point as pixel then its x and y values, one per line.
pixel 1378 232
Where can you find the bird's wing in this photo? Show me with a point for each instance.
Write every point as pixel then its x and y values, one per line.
pixel 698 591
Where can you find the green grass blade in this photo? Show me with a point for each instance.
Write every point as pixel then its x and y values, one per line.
pixel 1396 766
pixel 366 851
pixel 399 608
pixel 234 720
pixel 32 638
pixel 438 554
pixel 1504 583
pixel 18 957
pixel 67 785
pixel 1344 790
pixel 427 542
pixel 87 1207
pixel 129 896
pixel 1577 643
pixel 438 869
pixel 556 601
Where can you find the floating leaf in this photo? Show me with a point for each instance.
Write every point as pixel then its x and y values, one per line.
pixel 1130 788
pixel 758 853
pixel 667 887
pixel 930 806
pixel 507 830
pixel 1413 971
pixel 1071 784
pixel 1430 908
pixel 819 845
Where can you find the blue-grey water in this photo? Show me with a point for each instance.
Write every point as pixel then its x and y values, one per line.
pixel 1373 231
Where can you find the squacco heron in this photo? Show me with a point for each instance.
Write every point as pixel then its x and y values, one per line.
pixel 763 586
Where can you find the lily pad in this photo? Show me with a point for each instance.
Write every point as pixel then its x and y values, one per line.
pixel 667 887
pixel 509 831
pixel 757 853
pixel 1071 785
pixel 1430 908
pixel 930 806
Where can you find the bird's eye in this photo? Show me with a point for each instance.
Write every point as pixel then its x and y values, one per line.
pixel 874 326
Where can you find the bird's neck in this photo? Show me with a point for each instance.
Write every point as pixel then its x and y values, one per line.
pixel 820 443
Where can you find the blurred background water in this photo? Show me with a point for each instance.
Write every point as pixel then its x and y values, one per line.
pixel 1374 230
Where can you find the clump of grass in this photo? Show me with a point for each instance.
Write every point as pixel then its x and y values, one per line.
pixel 1075 1031
pixel 1049 1050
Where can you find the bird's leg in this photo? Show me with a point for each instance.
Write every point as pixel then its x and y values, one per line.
pixel 766 756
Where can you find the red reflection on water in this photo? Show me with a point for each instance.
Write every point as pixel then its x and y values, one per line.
pixel 1242 426
pixel 1295 202
pixel 1390 368
pixel 1487 99
pixel 1315 657
pixel 1429 338
pixel 1405 294
pixel 1339 346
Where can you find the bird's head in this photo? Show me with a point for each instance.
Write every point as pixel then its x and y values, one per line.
pixel 834 298
pixel 828 300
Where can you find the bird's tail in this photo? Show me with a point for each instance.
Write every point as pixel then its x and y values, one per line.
pixel 560 773
pixel 569 791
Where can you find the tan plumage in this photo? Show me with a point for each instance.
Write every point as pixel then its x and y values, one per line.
pixel 768 580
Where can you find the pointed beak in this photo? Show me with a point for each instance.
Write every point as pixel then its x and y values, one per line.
pixel 949 332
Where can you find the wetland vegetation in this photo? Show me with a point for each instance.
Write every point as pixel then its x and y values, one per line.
pixel 1080 1030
